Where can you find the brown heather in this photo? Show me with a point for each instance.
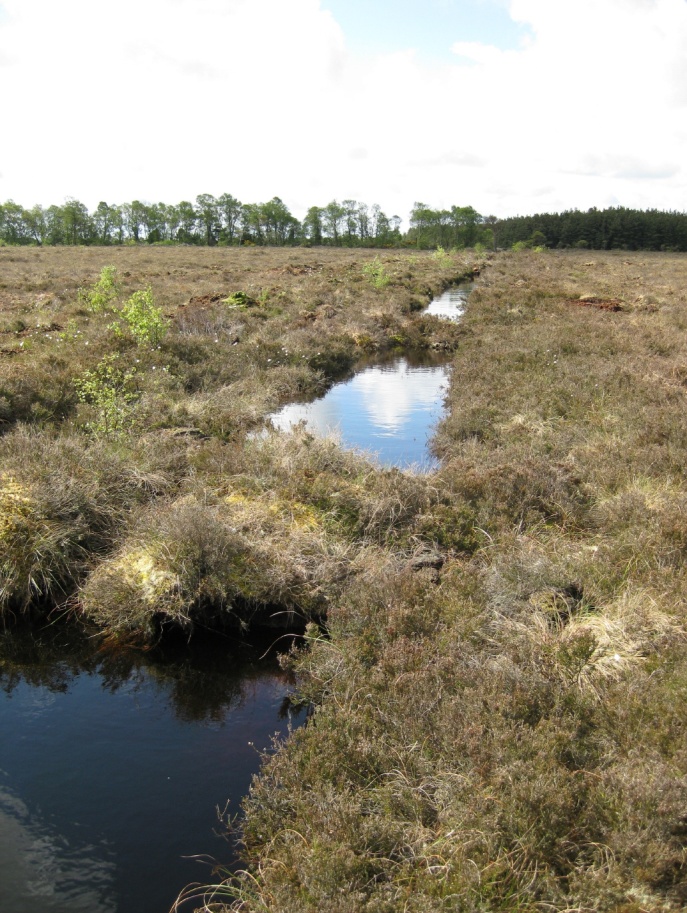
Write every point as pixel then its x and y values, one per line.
pixel 504 733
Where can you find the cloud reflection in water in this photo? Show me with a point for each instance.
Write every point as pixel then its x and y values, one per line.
pixel 41 869
pixel 389 409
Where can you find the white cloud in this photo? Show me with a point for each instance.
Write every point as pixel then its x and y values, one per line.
pixel 475 52
pixel 625 166
pixel 165 99
pixel 390 410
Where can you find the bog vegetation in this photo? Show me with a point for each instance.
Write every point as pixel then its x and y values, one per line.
pixel 495 654
pixel 132 488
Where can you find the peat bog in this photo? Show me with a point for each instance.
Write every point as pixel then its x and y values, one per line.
pixel 495 654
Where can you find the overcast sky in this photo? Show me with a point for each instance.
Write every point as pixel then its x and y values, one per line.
pixel 510 106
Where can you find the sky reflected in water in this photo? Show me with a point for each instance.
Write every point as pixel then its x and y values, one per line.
pixel 451 303
pixel 389 410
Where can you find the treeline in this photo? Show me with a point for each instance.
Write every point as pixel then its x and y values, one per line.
pixel 209 220
pixel 459 226
pixel 599 229
pixel 225 220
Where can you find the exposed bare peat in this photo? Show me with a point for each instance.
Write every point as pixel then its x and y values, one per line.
pixel 602 304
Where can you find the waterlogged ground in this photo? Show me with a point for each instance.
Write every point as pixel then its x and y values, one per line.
pixel 390 408
pixel 497 658
pixel 451 303
pixel 387 410
pixel 134 492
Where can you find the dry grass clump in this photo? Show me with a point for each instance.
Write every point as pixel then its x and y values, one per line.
pixel 24 536
pixel 515 488
pixel 223 560
pixel 364 502
pixel 228 410
pixel 586 643
pixel 355 498
pixel 64 501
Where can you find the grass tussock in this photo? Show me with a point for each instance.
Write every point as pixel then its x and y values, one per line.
pixel 223 560
pixel 63 502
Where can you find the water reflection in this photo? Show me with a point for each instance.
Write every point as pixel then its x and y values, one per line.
pixel 200 680
pixel 112 767
pixel 42 870
pixel 389 409
pixel 451 303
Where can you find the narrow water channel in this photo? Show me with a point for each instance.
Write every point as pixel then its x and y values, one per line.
pixel 388 409
pixel 112 768
pixel 391 406
pixel 451 304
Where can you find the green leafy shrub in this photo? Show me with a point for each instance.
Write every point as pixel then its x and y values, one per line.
pixel 239 300
pixel 442 257
pixel 111 391
pixel 102 294
pixel 376 273
pixel 146 322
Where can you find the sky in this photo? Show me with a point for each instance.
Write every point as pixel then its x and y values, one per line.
pixel 510 106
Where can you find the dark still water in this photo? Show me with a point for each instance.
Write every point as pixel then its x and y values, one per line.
pixel 112 768
pixel 388 409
